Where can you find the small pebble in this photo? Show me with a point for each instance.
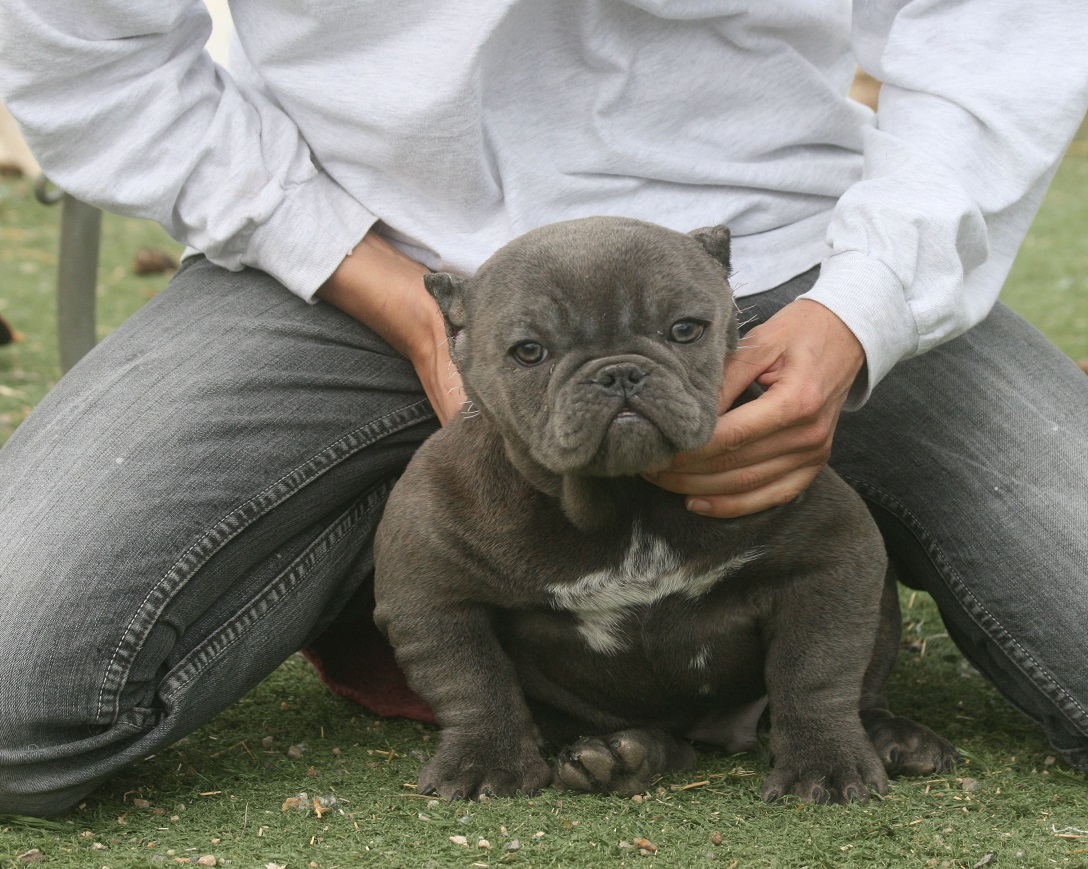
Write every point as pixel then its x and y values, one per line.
pixel 268 741
pixel 141 804
pixel 206 860
pixel 295 751
pixel 483 845
pixel 716 838
pixel 34 855
pixel 459 840
pixel 513 845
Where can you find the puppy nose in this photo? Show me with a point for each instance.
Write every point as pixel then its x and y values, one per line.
pixel 621 379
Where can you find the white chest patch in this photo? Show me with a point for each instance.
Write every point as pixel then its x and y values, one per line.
pixel 649 572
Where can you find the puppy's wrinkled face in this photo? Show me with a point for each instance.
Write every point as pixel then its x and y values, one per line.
pixel 596 346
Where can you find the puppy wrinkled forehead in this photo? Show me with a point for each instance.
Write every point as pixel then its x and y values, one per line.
pixel 633 269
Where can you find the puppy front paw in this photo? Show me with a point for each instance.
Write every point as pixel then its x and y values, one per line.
pixel 907 747
pixel 623 763
pixel 849 778
pixel 465 773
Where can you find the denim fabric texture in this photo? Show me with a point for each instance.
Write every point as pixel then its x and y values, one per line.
pixel 196 501
pixel 193 503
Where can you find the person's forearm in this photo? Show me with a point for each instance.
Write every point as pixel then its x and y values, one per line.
pixel 383 288
pixel 979 101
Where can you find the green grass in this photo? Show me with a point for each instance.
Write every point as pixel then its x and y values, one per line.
pixel 221 791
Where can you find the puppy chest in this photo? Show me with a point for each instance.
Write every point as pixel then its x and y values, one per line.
pixel 629 601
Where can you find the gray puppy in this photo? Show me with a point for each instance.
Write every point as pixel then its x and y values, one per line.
pixel 533 583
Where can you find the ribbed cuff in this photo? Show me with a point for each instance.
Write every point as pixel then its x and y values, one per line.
pixel 867 296
pixel 308 235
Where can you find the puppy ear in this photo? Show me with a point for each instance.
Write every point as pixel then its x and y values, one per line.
pixel 448 291
pixel 715 241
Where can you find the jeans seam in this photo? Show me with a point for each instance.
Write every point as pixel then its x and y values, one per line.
pixel 229 526
pixel 272 595
pixel 1035 672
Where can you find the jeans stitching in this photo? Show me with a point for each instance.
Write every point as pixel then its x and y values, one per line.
pixel 281 587
pixel 226 528
pixel 987 622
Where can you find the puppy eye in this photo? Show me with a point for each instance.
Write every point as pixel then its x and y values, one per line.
pixel 529 353
pixel 686 331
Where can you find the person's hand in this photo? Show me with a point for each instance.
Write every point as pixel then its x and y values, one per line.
pixel 766 452
pixel 383 288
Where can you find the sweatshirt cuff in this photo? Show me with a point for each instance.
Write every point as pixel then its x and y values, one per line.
pixel 308 235
pixel 867 296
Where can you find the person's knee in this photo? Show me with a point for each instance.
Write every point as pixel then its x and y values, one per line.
pixel 56 731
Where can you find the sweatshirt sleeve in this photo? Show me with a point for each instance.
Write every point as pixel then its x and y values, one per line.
pixel 125 110
pixel 979 102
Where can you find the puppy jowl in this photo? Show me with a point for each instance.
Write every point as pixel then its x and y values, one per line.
pixel 543 596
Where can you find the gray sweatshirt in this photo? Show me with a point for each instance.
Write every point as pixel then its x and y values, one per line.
pixel 454 125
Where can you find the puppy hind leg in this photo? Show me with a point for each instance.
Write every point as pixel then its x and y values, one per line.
pixel 623 763
pixel 905 747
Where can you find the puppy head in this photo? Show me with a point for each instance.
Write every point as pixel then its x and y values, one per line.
pixel 596 346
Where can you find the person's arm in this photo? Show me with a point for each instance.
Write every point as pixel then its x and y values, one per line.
pixel 125 110
pixel 979 102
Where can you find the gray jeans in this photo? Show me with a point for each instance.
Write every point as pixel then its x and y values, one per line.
pixel 196 500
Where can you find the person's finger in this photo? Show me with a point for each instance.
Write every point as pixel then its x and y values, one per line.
pixel 736 481
pixel 780 420
pixel 781 491
pixel 743 368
